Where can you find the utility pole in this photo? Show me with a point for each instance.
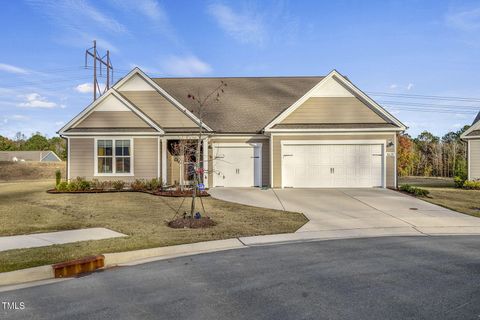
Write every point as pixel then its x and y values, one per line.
pixel 103 62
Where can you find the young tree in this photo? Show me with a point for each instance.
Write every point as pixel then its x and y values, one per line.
pixel 405 155
pixel 199 104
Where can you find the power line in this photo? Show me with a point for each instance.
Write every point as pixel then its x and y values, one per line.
pixel 421 96
pixel 417 104
pixel 426 110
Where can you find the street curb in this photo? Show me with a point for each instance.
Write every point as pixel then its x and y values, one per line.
pixel 37 275
pixel 139 256
pixel 26 275
pixel 124 258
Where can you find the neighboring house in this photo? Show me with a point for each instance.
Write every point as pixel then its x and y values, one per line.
pixel 264 131
pixel 42 156
pixel 472 136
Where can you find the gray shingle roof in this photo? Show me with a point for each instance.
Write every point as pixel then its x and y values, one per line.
pixel 247 105
pixel 477 118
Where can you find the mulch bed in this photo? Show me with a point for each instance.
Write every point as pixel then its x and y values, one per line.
pixel 181 223
pixel 180 193
pixel 170 193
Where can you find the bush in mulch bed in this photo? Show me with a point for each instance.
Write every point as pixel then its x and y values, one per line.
pixel 181 223
pixel 153 186
pixel 179 193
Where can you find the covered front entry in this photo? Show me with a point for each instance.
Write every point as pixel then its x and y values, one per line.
pixel 237 164
pixel 327 165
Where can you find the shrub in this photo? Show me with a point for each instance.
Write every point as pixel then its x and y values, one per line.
pixel 406 188
pixel 118 185
pixel 153 184
pixel 81 184
pixel 73 186
pixel 138 185
pixel 58 177
pixel 62 186
pixel 459 181
pixel 419 192
pixel 472 185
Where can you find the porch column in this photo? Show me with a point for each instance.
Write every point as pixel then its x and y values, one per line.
pixel 205 162
pixel 164 160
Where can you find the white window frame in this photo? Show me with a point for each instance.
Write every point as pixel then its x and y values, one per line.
pixel 114 165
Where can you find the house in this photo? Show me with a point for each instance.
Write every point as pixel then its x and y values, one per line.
pixel 264 131
pixel 41 156
pixel 472 136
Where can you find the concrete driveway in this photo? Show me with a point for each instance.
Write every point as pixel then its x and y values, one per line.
pixel 342 209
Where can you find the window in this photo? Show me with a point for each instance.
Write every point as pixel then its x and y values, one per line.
pixel 114 157
pixel 122 156
pixel 105 156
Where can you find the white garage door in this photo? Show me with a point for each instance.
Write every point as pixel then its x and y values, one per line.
pixel 237 165
pixel 332 165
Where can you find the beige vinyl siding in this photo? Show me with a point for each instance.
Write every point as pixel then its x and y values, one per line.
pixel 81 158
pixel 82 162
pixel 112 119
pixel 277 161
pixel 474 159
pixel 159 109
pixel 333 110
pixel 265 156
pixel 145 158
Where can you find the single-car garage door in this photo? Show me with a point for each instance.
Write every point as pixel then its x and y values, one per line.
pixel 332 165
pixel 237 165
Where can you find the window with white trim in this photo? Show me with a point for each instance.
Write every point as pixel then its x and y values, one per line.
pixel 113 156
pixel 122 156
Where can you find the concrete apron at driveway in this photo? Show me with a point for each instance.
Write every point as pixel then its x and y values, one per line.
pixel 345 209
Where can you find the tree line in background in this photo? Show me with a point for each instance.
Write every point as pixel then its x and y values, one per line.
pixel 37 142
pixel 429 155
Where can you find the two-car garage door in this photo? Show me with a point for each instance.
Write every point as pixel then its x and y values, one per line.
pixel 332 165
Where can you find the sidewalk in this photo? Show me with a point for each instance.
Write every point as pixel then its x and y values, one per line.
pixel 50 238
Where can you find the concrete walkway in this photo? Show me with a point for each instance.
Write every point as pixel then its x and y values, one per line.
pixel 356 209
pixel 47 239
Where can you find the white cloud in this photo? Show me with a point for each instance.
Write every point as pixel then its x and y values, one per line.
pixel 148 8
pixel 393 86
pixel 34 100
pixel 59 123
pixel 245 27
pixel 87 87
pixel 77 15
pixel 410 86
pixel 458 125
pixel 84 87
pixel 13 69
pixel 467 20
pixel 16 117
pixel 186 66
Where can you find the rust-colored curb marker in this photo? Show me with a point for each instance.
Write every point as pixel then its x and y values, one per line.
pixel 76 267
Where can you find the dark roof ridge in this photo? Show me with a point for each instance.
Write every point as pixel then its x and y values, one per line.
pixel 240 77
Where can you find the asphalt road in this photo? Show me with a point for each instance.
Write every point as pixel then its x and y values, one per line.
pixel 378 278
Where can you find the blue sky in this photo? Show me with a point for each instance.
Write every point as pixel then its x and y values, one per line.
pixel 386 47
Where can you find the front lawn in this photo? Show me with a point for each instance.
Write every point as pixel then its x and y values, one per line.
pixel 444 194
pixel 26 208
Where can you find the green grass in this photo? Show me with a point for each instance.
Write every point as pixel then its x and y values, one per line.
pixel 444 194
pixel 435 182
pixel 26 208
